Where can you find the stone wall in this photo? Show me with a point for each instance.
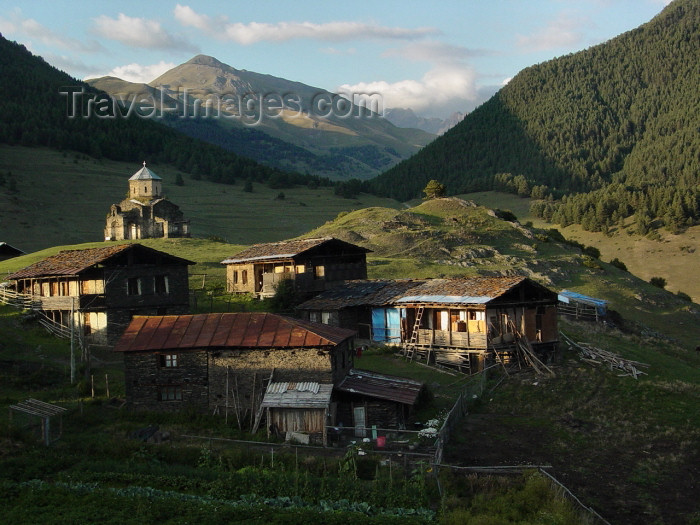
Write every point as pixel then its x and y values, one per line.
pixel 145 374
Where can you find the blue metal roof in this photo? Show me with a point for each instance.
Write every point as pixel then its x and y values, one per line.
pixel 566 296
pixel 445 299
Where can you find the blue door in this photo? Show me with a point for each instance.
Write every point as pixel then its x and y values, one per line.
pixel 386 325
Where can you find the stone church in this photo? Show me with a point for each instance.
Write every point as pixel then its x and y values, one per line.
pixel 145 213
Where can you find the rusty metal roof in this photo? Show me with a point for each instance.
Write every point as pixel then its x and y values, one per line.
pixel 73 262
pixel 285 249
pixel 361 293
pixel 381 386
pixel 298 395
pixel 226 330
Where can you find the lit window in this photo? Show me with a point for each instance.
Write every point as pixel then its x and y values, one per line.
pixel 319 272
pixel 168 360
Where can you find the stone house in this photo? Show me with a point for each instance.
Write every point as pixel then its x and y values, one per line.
pixel 98 290
pixel 225 363
pixel 314 265
pixel 145 213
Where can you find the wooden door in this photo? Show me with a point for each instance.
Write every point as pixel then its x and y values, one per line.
pixel 359 421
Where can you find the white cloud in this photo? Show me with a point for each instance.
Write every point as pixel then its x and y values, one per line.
pixel 335 51
pixel 440 87
pixel 140 33
pixel 433 51
pixel 253 32
pixel 28 27
pixel 139 73
pixel 563 31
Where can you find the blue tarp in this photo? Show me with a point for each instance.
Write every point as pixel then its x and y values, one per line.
pixel 601 305
pixel 386 325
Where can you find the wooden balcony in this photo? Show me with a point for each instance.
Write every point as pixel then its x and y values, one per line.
pixel 446 338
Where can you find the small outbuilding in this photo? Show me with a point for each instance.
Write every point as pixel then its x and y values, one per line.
pixel 8 252
pixel 579 306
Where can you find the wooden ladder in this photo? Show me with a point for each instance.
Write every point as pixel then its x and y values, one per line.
pixel 411 346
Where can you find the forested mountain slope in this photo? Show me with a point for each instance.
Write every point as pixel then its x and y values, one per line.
pixel 614 127
pixel 34 111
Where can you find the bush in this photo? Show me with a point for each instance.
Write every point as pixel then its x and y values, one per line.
pixel 684 296
pixel 591 251
pixel 659 282
pixel 617 263
pixel 506 215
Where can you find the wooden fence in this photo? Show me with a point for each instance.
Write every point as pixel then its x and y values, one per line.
pixel 473 389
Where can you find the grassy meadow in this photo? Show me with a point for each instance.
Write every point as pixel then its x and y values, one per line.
pixel 675 257
pixel 64 199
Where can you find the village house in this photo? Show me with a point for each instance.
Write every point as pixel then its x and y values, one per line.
pixel 98 290
pixel 457 322
pixel 313 265
pixel 145 213
pixel 242 366
pixel 351 305
pixel 8 252
pixel 260 370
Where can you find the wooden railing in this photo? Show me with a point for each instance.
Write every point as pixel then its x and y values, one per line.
pixel 453 339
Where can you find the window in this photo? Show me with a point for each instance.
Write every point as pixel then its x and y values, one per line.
pixel 168 360
pixel 244 276
pixel 235 276
pixel 171 393
pixel 300 268
pixel 326 317
pixel 314 316
pixel 133 286
pixel 161 284
pixel 319 272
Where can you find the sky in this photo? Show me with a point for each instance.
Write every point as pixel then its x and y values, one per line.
pixel 432 57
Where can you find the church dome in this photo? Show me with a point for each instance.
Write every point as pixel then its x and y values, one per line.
pixel 144 174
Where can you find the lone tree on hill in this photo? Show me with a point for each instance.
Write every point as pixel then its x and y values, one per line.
pixel 434 190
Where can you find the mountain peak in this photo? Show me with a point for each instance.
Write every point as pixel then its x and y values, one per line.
pixel 206 60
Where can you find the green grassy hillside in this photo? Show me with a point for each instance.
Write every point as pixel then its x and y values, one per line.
pixel 674 257
pixel 64 199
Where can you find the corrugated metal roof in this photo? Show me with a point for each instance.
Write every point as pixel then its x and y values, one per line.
pixel 297 395
pixel 227 330
pixel 565 295
pixel 445 299
pixel 381 386
pixel 284 249
pixel 361 292
pixel 73 262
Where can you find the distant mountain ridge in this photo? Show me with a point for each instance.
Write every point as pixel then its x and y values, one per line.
pixel 38 108
pixel 614 127
pixel 406 118
pixel 292 125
